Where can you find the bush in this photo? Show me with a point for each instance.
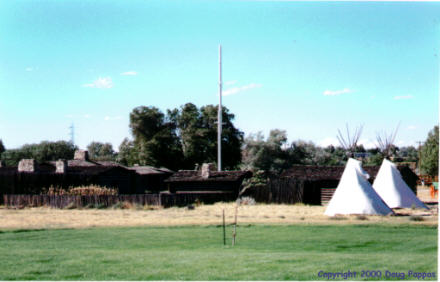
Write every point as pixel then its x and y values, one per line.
pixel 416 218
pixel 361 217
pixel 246 201
pixel 100 206
pixel 123 205
pixel 90 190
pixel 337 217
pixel 70 206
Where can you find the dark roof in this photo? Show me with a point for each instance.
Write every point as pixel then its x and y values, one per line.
pixel 77 163
pixel 144 170
pixel 313 172
pixel 88 167
pixel 95 170
pixel 107 163
pixel 316 172
pixel 81 163
pixel 215 176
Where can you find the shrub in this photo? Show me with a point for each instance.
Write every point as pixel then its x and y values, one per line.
pixel 70 206
pixel 246 201
pixel 90 190
pixel 197 202
pixel 416 218
pixel 100 206
pixel 337 217
pixel 123 205
pixel 150 208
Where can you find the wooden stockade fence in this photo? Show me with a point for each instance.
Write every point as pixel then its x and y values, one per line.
pixel 286 190
pixel 163 199
pixel 326 195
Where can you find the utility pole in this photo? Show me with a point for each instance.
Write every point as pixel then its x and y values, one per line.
pixel 72 134
pixel 219 114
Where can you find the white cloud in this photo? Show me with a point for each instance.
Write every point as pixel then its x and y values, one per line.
pixel 328 141
pixel 112 118
pixel 367 143
pixel 236 90
pixel 411 127
pixel 69 116
pixel 129 73
pixel 337 92
pixel 404 97
pixel 29 69
pixel 102 82
pixel 87 116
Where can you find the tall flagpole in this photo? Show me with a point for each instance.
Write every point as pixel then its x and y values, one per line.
pixel 219 114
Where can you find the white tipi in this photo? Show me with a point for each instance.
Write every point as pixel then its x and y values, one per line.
pixel 354 194
pixel 392 188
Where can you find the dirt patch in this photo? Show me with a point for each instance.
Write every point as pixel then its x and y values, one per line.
pixel 203 214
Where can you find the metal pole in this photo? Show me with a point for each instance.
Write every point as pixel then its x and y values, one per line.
pixel 219 116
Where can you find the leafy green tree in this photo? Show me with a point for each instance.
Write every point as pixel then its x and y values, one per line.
pixel 338 156
pixel 266 155
pixel 197 129
pixel 258 180
pixel 429 153
pixel 302 152
pixel 44 151
pixel 232 138
pixel 407 154
pixel 127 154
pixel 101 151
pixel 155 138
pixel 11 157
pixel 180 139
pixel 192 134
pixel 374 159
pixel 2 147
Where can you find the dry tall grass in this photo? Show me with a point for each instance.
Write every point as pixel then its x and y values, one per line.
pixel 203 214
pixel 92 190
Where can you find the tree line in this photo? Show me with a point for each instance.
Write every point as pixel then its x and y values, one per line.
pixel 185 137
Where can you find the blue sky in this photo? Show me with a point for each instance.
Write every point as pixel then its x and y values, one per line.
pixel 307 68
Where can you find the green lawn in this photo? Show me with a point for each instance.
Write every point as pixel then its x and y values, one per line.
pixel 271 252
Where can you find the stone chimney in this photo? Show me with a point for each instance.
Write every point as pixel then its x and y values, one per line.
pixel 206 170
pixel 82 155
pixel 61 166
pixel 27 165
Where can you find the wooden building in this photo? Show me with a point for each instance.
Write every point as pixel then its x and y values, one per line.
pixel 320 182
pixel 150 179
pixel 207 179
pixel 29 177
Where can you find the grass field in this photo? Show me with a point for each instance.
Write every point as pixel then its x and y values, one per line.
pixel 263 252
